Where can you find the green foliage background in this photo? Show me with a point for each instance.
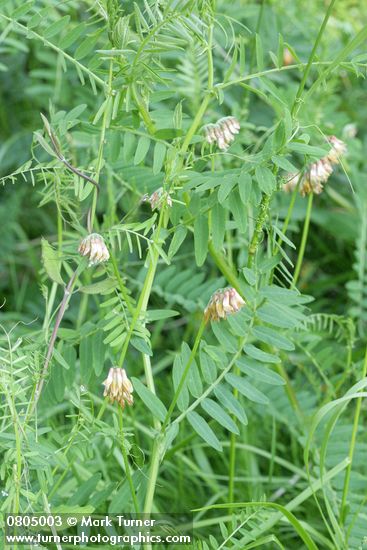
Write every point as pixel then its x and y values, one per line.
pixel 272 404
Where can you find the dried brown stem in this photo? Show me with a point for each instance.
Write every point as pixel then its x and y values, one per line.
pixel 60 156
pixel 51 345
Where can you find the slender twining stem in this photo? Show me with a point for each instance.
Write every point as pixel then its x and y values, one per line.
pixel 298 99
pixel 352 446
pixel 255 241
pixel 185 372
pixel 126 461
pixel 303 241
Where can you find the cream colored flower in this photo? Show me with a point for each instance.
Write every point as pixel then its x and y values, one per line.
pixel 157 198
pixel 118 387
pixel 94 247
pixel 223 302
pixel 338 148
pixel 222 132
pixel 318 173
pixel 312 180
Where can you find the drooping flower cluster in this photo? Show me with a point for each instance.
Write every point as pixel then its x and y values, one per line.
pixel 157 198
pixel 94 248
pixel 338 148
pixel 223 302
pixel 118 387
pixel 222 132
pixel 318 172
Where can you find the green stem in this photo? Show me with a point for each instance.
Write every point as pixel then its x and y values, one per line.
pixel 195 124
pixel 288 217
pixel 143 110
pixel 150 383
pixel 18 475
pixel 210 59
pixel 232 453
pixel 255 241
pixel 158 442
pixel 185 373
pixel 126 462
pixel 122 288
pixel 143 301
pixel 144 296
pixel 352 446
pixel 297 100
pixel 153 475
pixel 224 268
pixel 289 390
pixel 100 149
pixel 303 241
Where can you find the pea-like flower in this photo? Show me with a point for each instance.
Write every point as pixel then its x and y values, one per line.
pixel 222 132
pixel 312 180
pixel 338 148
pixel 157 198
pixel 118 387
pixel 94 248
pixel 318 172
pixel 223 302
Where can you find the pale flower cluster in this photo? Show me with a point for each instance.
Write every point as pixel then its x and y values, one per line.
pixel 94 248
pixel 118 387
pixel 317 174
pixel 222 132
pixel 157 198
pixel 223 302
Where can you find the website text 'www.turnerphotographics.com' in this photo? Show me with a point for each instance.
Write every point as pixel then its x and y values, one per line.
pixel 122 530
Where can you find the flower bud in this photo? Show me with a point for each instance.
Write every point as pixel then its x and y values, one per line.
pixel 157 198
pixel 118 387
pixel 223 302
pixel 94 248
pixel 288 58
